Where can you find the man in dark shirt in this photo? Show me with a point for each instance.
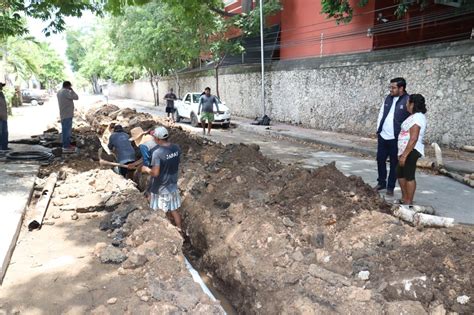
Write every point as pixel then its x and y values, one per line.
pixel 120 143
pixel 170 98
pixel 206 106
pixel 164 169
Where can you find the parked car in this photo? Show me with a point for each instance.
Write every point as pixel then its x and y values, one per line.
pixel 188 109
pixel 34 96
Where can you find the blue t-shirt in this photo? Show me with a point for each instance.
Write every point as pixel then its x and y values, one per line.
pixel 146 150
pixel 120 143
pixel 167 157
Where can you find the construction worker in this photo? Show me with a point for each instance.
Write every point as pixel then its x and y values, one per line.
pixel 206 106
pixel 122 147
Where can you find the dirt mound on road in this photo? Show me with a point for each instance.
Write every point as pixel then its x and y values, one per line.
pixel 289 239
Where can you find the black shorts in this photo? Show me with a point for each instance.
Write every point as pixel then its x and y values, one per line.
pixel 170 109
pixel 408 171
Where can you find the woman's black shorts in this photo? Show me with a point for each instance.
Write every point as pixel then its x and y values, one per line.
pixel 408 171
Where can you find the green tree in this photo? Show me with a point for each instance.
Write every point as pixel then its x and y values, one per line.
pixel 51 67
pixel 146 37
pixel 342 10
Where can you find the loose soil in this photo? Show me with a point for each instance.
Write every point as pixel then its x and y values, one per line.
pixel 273 238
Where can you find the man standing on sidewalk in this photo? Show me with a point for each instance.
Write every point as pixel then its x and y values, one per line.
pixel 66 97
pixel 3 120
pixel 170 97
pixel 164 169
pixel 391 115
pixel 206 104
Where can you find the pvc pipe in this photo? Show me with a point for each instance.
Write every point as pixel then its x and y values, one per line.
pixel 438 154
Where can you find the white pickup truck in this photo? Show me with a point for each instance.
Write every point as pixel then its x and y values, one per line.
pixel 188 109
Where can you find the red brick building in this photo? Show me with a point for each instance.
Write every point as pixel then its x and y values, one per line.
pixel 304 32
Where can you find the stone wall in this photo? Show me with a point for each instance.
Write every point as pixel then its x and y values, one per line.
pixel 344 93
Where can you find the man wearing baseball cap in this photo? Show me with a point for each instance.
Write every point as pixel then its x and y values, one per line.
pixel 164 170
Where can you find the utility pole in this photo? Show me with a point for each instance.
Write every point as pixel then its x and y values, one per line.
pixel 262 58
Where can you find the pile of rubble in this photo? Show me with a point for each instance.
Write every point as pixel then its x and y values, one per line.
pixel 275 238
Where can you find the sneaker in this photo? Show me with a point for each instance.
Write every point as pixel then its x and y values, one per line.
pixel 389 193
pixel 379 187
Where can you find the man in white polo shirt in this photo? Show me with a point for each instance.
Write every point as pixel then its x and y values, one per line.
pixel 391 115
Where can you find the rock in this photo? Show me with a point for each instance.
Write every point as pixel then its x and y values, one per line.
pixel 57 202
pixel 121 271
pixel 360 295
pixel 287 222
pixel 112 255
pixel 328 276
pixel 145 298
pixel 48 223
pixel 409 286
pixel 56 216
pixel 98 248
pixel 88 203
pixel 404 308
pixel 134 260
pixel 239 180
pixel 112 300
pixel 74 216
pixel 68 207
pixel 317 240
pixel 297 256
pixel 164 308
pixel 438 310
pixel 363 275
pixel 463 299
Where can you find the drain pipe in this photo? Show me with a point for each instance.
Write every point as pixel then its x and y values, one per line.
pixel 43 202
pixel 197 278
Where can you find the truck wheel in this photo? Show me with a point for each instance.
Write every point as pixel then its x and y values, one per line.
pixel 226 125
pixel 177 117
pixel 34 102
pixel 194 120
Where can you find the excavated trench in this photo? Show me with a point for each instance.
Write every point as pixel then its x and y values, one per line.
pixel 281 239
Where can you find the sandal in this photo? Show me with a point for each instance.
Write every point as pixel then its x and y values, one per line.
pixel 398 202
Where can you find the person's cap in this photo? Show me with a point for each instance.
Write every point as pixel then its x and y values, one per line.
pixel 160 133
pixel 136 134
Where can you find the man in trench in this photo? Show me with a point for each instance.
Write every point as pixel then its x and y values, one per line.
pixel 164 170
pixel 146 144
pixel 119 143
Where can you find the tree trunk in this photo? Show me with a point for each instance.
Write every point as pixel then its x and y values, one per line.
pixel 153 88
pixel 178 83
pixel 217 81
pixel 95 85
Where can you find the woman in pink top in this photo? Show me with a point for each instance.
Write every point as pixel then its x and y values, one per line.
pixel 410 146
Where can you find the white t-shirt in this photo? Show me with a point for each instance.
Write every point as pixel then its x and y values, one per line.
pixel 415 119
pixel 387 128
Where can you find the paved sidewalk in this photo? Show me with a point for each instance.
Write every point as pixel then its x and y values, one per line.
pixel 448 197
pixel 16 187
pixel 464 163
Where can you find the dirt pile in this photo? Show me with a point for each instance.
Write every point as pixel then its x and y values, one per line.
pixel 290 240
pixel 145 247
pixel 282 239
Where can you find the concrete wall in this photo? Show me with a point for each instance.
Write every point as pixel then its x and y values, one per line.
pixel 344 93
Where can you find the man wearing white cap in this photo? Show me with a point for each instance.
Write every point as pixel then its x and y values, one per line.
pixel 164 169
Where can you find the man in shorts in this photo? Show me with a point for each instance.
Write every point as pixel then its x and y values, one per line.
pixel 206 105
pixel 164 170
pixel 170 97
